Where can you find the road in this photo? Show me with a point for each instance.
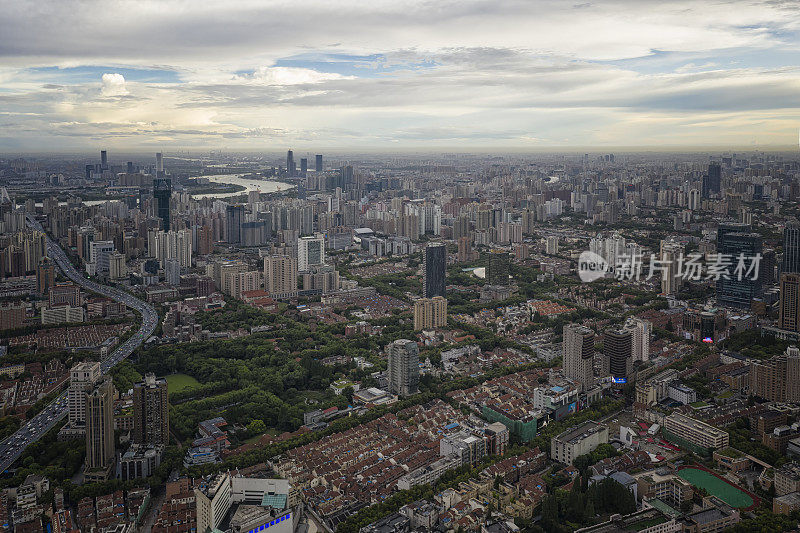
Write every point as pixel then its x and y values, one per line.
pixel 12 447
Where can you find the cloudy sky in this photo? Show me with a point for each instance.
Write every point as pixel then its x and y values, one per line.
pixel 79 75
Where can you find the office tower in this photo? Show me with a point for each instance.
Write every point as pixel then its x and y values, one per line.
pixel 430 313
pixel 129 167
pixel 304 166
pixel 99 430
pixel 234 215
pixel 280 276
pixel 777 379
pixel 733 291
pixel 767 269
pixel 103 160
pixel 318 166
pixel 578 354
pixel 712 182
pixel 290 163
pixel 434 270
pixel 99 253
pixel 82 378
pixel 641 330
pixel 789 316
pixel 791 247
pixel 159 163
pixel 403 367
pixel 162 192
pixel 310 252
pixel 497 268
pixel 151 411
pixel 88 171
pixel 618 352
pixel 45 276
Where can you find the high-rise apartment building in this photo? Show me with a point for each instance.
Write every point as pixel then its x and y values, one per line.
pixel 430 313
pixel 789 315
pixel 99 431
pixel 82 378
pixel 578 354
pixel 151 411
pixel 403 367
pixel 310 252
pixel 498 268
pixel 777 379
pixel 280 276
pixel 641 330
pixel 45 275
pixel 164 245
pixel 435 270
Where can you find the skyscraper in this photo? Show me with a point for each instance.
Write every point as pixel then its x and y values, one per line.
pixel 434 270
pixel 618 351
pixel 310 252
pixel 45 275
pixel 162 191
pixel 578 354
pixel 403 367
pixel 280 276
pixel 791 247
pixel 82 378
pixel 290 163
pixel 641 330
pixel 99 431
pixel 789 316
pixel 318 166
pixel 712 183
pixel 303 166
pixel 103 160
pixel 234 215
pixel 159 164
pixel 497 268
pixel 151 411
pixel 430 313
pixel 733 291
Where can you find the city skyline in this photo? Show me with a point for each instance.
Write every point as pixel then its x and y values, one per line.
pixel 398 76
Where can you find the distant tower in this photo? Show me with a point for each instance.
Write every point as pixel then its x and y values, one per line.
pixel 103 160
pixel 290 163
pixel 791 247
pixel 434 270
pixel 233 223
pixel 303 166
pixel 403 367
pixel 159 164
pixel 318 167
pixel 151 411
pixel 162 191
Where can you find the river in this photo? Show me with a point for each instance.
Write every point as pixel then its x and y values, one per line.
pixel 248 183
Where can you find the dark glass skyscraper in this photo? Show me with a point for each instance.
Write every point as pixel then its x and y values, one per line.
pixel 791 247
pixel 303 166
pixel 318 161
pixel 290 163
pixel 435 266
pixel 234 216
pixel 712 183
pixel 162 191
pixel 736 292
pixel 618 349
pixel 498 268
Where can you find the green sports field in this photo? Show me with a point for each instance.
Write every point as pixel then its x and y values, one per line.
pixel 716 487
pixel 180 382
